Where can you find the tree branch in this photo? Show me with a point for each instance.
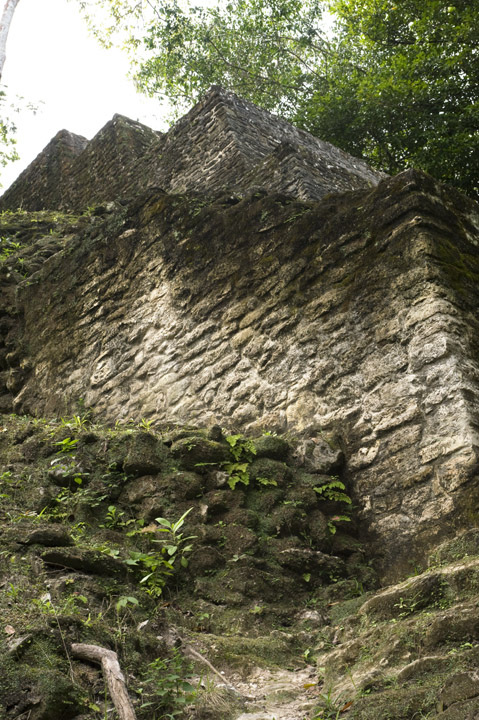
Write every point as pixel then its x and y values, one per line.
pixel 243 71
pixel 112 673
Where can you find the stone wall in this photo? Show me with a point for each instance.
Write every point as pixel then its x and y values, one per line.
pixel 44 182
pixel 354 316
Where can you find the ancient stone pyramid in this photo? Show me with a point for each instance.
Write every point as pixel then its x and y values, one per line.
pixel 223 142
pixel 333 301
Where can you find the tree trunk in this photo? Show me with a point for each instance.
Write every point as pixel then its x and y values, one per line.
pixel 5 22
pixel 112 674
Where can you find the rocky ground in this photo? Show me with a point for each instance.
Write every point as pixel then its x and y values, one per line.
pixel 226 574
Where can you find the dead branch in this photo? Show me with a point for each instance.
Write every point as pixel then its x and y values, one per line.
pixel 112 674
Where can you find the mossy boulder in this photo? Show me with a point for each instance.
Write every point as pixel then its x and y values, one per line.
pixel 391 704
pixel 48 536
pixel 199 454
pixel 274 472
pixel 285 520
pixel 272 446
pixel 146 455
pixel 464 710
pixel 59 699
pixel 407 598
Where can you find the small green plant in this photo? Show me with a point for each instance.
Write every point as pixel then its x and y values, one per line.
pixel 114 518
pixel 160 564
pixel 67 445
pixel 238 473
pixel 157 568
pixel 125 600
pixel 241 447
pixel 145 424
pixel 6 479
pixel 67 502
pixel 333 490
pixel 79 422
pixel 166 688
pixel 8 247
pixel 243 450
pixel 257 610
pixel 408 606
pixel 13 592
pixel 336 519
pixel 266 481
pixel 331 707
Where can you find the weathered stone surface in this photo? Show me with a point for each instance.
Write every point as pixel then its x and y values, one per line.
pixel 460 624
pixel 460 686
pixel 319 321
pixel 223 142
pixel 44 182
pixel 355 315
pixel 423 665
pixel 87 561
pixel 48 536
pixel 146 455
pixel 317 455
pixel 464 710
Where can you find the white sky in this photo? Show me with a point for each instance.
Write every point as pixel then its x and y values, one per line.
pixel 52 59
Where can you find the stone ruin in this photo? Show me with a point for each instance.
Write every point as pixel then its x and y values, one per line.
pixel 239 271
pixel 223 143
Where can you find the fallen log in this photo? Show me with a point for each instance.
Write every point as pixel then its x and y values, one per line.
pixel 115 680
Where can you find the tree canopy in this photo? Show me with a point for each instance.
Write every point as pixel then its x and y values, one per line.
pixel 407 78
pixel 397 82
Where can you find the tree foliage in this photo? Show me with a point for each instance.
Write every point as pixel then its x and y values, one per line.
pixel 7 132
pixel 397 83
pixel 264 50
pixel 407 79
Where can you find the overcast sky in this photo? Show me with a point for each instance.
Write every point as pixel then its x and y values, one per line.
pixel 53 61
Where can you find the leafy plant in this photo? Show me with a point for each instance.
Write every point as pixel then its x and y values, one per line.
pixel 79 422
pixel 166 687
pixel 331 706
pixel 67 502
pixel 241 447
pixel 8 247
pixel 243 451
pixel 333 490
pixel 238 473
pixel 408 605
pixel 114 518
pixel 266 481
pixel 67 445
pixel 160 564
pixel 335 519
pixel 125 600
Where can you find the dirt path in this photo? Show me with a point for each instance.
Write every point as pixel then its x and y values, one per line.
pixel 278 695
